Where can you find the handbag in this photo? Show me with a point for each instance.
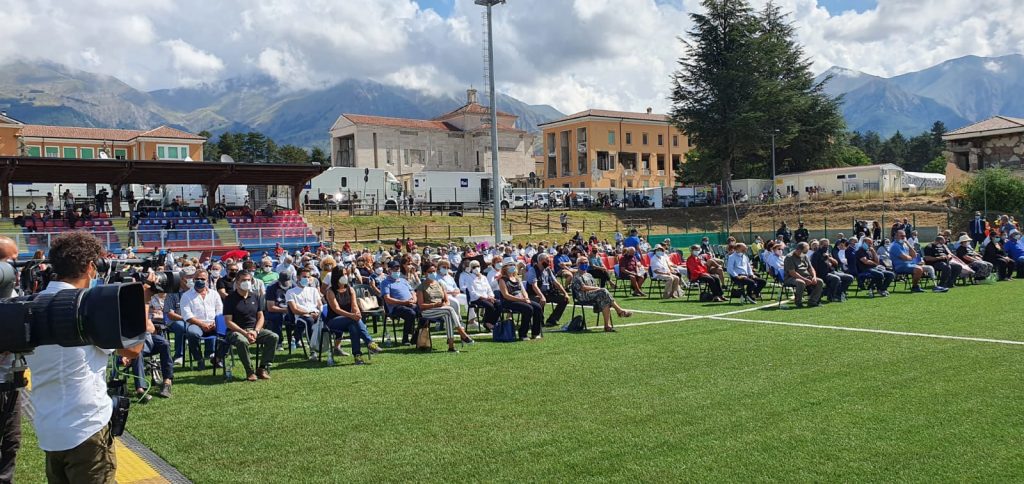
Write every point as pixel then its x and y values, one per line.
pixel 505 332
pixel 368 303
pixel 423 339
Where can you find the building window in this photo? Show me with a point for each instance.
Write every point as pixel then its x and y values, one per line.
pixel 612 183
pixel 602 161
pixel 643 139
pixel 32 151
pixel 168 152
pixel 70 152
pixel 581 151
pixel 675 140
pixel 388 157
pixel 611 138
pixel 88 153
pixel 415 156
pixel 840 177
pixel 552 159
pixel 52 152
pixel 344 182
pixel 583 185
pixel 629 138
pixel 851 175
pixel 661 164
pixel 121 154
pixel 563 145
pixel 661 140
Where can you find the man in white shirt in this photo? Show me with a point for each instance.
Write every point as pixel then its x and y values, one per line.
pixel 305 302
pixel 742 273
pixel 662 270
pixel 200 307
pixel 69 389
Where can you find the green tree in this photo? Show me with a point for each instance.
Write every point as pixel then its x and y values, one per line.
pixel 894 150
pixel 920 151
pixel 292 155
pixel 211 151
pixel 937 165
pixel 230 144
pixel 938 129
pixel 714 88
pixel 744 77
pixel 253 148
pixel 995 190
pixel 317 155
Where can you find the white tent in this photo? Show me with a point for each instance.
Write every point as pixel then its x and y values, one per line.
pixel 924 181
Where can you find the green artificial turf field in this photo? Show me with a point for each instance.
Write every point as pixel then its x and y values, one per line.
pixel 720 398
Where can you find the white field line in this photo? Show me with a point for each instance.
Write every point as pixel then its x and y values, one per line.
pixel 658 313
pixel 724 317
pixel 869 330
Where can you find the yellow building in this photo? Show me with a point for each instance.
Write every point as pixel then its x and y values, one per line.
pixel 612 149
pixel 162 143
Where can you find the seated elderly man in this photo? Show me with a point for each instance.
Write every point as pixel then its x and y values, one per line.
pixel 662 269
pixel 244 318
pixel 305 303
pixel 742 273
pixel 773 259
pixel 828 269
pixel 903 255
pixel 697 270
pixel 937 255
pixel 630 268
pixel 800 274
pixel 869 266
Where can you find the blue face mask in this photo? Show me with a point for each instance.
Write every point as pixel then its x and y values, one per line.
pixel 584 267
pixel 396 275
pixel 433 276
pixel 442 271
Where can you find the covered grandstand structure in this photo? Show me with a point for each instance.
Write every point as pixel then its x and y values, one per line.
pixel 121 172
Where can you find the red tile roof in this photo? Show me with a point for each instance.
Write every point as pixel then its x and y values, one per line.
pixel 471 108
pixel 41 131
pixel 604 113
pixel 995 123
pixel 400 122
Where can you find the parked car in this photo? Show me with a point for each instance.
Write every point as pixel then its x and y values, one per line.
pixel 520 201
pixel 541 200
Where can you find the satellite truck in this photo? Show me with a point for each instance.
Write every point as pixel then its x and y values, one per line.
pixel 341 186
pixel 458 190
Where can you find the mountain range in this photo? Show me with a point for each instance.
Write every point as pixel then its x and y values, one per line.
pixel 957 92
pixel 48 93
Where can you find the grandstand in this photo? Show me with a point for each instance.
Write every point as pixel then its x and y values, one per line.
pixel 286 227
pixel 37 231
pixel 176 229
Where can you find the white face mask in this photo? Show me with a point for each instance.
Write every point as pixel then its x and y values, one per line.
pixel 245 286
pixel 476 270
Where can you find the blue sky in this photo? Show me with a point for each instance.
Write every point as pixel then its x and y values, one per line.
pixel 443 7
pixel 836 7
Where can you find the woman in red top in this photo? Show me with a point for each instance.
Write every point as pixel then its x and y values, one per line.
pixel 698 272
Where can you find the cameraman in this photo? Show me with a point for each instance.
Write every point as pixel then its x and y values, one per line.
pixel 10 407
pixel 69 389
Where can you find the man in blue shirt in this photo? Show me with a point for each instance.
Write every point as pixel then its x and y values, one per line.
pixel 632 241
pixel 902 256
pixel 400 300
pixel 1015 250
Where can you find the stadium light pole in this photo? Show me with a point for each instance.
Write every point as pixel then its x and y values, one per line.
pixel 497 190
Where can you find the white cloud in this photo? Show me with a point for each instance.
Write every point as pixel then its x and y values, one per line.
pixel 573 54
pixel 193 65
pixel 994 66
pixel 287 68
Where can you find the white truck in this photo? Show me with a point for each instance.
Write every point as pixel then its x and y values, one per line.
pixel 457 189
pixel 342 185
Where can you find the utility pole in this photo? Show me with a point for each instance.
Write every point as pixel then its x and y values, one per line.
pixel 496 176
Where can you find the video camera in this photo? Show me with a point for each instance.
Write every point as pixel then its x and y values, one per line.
pixel 110 316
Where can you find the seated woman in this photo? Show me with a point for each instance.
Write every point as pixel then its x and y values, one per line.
pixel 597 269
pixel 514 299
pixel 480 294
pixel 585 290
pixel 434 304
pixel 995 254
pixel 345 316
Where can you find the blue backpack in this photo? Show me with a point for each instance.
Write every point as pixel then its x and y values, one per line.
pixel 505 332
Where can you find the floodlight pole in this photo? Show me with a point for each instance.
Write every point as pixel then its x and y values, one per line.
pixel 497 191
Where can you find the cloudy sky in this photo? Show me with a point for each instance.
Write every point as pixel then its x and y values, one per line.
pixel 572 54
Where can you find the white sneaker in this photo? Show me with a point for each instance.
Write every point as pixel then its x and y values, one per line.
pixel 179 361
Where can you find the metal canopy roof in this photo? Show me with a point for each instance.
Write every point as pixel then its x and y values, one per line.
pixel 118 172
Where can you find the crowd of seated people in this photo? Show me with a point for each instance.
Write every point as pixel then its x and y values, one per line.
pixel 281 300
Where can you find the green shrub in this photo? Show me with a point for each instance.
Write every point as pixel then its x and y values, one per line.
pixel 996 190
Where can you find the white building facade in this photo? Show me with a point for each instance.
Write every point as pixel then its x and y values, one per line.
pixel 457 141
